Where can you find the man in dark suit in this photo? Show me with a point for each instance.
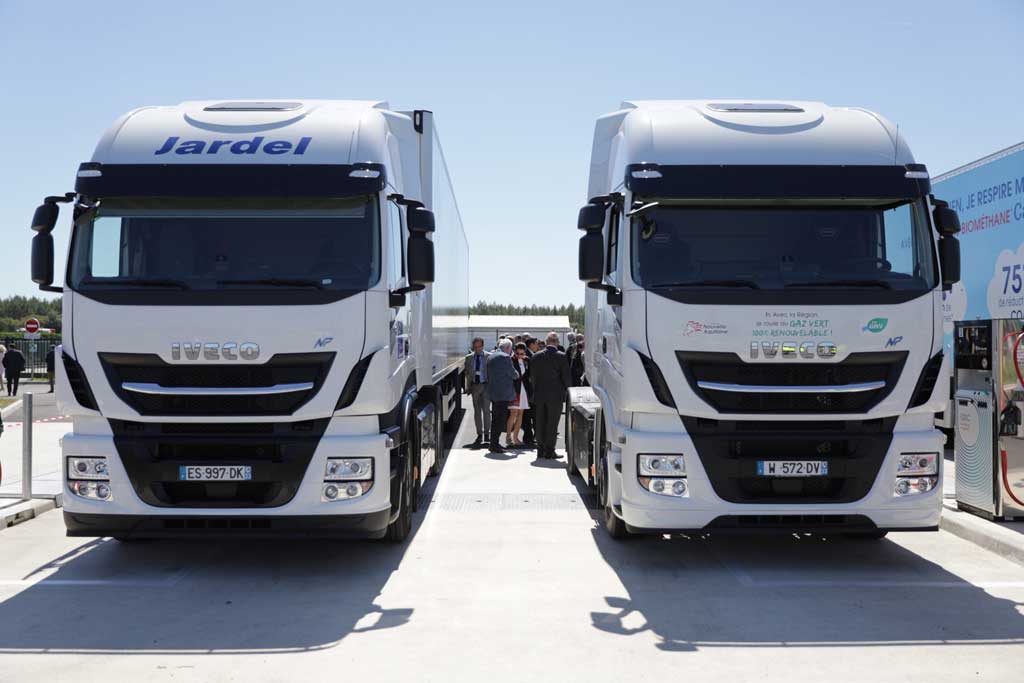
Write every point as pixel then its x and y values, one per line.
pixel 501 390
pixel 549 370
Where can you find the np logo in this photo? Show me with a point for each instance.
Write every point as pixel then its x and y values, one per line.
pixel 693 327
pixel 237 147
pixel 227 351
pixel 875 325
pixel 322 342
pixel 893 341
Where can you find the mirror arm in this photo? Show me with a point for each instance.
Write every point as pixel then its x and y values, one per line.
pixel 51 288
pixel 606 199
pixel 614 293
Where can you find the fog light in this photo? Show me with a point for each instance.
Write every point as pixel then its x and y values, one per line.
pixel 335 492
pixel 915 464
pixel 92 490
pixel 908 486
pixel 665 486
pixel 87 468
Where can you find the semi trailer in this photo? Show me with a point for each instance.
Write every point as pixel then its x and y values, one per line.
pixel 764 322
pixel 249 302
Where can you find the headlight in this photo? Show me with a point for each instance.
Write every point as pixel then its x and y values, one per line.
pixel 88 468
pixel 661 465
pixel 348 469
pixel 916 464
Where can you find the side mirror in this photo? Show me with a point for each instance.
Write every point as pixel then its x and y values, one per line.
pixel 947 222
pixel 591 217
pixel 45 217
pixel 42 258
pixel 591 256
pixel 949 261
pixel 419 220
pixel 419 260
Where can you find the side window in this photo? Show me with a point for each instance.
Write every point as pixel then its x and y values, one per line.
pixel 612 267
pixel 899 244
pixel 396 246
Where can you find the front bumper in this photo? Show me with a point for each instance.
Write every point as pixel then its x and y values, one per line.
pixel 704 510
pixel 127 513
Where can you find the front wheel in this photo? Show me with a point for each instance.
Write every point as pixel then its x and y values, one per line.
pixel 399 529
pixel 615 527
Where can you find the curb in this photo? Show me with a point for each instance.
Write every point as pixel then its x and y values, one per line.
pixel 24 511
pixel 983 533
pixel 10 409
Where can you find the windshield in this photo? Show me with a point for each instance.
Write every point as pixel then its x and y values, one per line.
pixel 784 247
pixel 334 246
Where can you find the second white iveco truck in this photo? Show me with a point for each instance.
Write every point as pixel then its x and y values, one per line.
pixel 248 305
pixel 764 321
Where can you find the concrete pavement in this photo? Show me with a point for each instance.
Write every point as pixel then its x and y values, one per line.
pixel 507 577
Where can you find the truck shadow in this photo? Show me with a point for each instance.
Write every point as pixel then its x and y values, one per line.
pixel 184 596
pixel 702 592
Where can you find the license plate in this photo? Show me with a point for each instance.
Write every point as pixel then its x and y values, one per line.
pixel 215 472
pixel 792 468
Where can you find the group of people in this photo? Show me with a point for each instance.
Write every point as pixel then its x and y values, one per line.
pixel 12 364
pixel 520 387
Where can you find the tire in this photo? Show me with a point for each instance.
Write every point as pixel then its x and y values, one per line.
pixel 570 445
pixel 399 529
pixel 438 465
pixel 615 527
pixel 865 535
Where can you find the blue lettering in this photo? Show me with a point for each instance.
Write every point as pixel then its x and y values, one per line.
pixel 191 147
pixel 303 144
pixel 216 145
pixel 247 146
pixel 168 145
pixel 277 147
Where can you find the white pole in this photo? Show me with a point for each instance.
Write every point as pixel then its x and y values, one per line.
pixel 26 446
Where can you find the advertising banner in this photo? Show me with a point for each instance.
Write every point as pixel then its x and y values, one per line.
pixel 989 197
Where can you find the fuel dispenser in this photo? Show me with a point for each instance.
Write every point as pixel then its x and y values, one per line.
pixel 989 436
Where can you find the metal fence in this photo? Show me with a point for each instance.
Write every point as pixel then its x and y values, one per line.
pixel 35 351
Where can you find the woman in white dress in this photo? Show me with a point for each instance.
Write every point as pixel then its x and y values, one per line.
pixel 521 364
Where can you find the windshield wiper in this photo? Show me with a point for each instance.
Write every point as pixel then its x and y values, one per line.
pixel 139 282
pixel 276 282
pixel 749 284
pixel 842 283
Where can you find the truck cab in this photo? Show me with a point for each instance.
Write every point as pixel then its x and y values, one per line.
pixel 248 300
pixel 764 321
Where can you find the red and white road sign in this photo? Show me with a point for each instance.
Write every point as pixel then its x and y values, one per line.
pixel 31 325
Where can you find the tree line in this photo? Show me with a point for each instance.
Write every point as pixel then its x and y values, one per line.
pixel 15 310
pixel 574 312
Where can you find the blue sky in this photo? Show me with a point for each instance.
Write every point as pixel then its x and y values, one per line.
pixel 515 89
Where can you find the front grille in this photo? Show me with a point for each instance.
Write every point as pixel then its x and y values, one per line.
pixel 729 452
pixel 282 368
pixel 728 368
pixel 279 454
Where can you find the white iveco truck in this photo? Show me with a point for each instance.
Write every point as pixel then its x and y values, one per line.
pixel 764 321
pixel 248 309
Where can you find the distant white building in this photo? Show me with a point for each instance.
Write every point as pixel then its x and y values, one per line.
pixel 493 327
